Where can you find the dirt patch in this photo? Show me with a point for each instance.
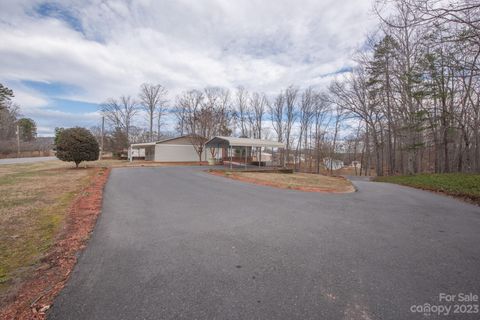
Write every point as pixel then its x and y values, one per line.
pixel 296 181
pixel 36 294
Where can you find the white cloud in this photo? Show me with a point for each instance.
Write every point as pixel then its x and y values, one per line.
pixel 263 45
pixel 28 98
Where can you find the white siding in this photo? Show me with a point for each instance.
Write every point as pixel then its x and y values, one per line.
pixel 176 153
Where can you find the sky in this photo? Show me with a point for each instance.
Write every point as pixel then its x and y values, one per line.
pixel 64 58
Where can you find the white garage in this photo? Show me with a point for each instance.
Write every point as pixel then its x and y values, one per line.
pixel 178 149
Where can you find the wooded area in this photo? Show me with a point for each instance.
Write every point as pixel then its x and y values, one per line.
pixel 416 90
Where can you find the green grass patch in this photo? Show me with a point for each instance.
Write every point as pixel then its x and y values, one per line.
pixel 27 246
pixel 455 184
pixel 34 201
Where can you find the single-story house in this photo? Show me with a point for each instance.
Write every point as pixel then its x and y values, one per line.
pixel 179 149
pixel 229 149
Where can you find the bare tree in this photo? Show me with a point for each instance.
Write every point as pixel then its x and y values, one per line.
pixel 241 101
pixel 352 95
pixel 153 99
pixel 180 113
pixel 276 114
pixel 8 118
pixel 203 115
pixel 189 105
pixel 338 117
pixel 463 12
pixel 200 115
pixel 225 114
pixel 258 103
pixel 290 112
pixel 120 113
pixel 306 114
pixel 321 104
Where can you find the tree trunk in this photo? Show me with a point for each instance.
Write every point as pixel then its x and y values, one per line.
pixel 446 160
pixel 151 127
pixel 158 127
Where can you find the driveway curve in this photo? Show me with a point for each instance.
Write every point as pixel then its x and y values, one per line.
pixel 179 243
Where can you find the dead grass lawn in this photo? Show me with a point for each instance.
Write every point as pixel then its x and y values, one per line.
pixel 34 199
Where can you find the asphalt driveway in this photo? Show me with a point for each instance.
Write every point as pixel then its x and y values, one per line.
pixel 178 243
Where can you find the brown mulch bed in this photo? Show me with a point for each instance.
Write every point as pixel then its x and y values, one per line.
pixel 279 185
pixel 36 295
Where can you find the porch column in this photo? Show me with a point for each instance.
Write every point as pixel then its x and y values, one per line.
pixel 273 158
pixel 259 157
pixel 246 154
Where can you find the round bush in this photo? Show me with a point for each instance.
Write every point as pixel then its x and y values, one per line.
pixel 76 144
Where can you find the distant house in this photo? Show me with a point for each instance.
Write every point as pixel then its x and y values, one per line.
pixel 333 164
pixel 179 149
pixel 355 164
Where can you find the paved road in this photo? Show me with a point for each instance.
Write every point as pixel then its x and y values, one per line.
pixel 178 243
pixel 25 160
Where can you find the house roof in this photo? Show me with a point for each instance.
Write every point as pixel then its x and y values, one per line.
pixel 171 139
pixel 221 141
pixel 147 144
pixel 242 142
pixel 141 145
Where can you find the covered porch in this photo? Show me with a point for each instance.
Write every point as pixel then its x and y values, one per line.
pixel 141 150
pixel 245 151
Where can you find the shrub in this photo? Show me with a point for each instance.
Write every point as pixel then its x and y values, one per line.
pixel 76 144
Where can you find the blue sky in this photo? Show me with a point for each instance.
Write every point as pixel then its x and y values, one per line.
pixel 56 10
pixel 64 58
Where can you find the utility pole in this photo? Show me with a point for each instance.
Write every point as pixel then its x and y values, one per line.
pixel 103 133
pixel 18 141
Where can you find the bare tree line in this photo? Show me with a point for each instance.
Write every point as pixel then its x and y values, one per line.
pixel 306 120
pixel 411 104
pixel 120 115
pixel 297 118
